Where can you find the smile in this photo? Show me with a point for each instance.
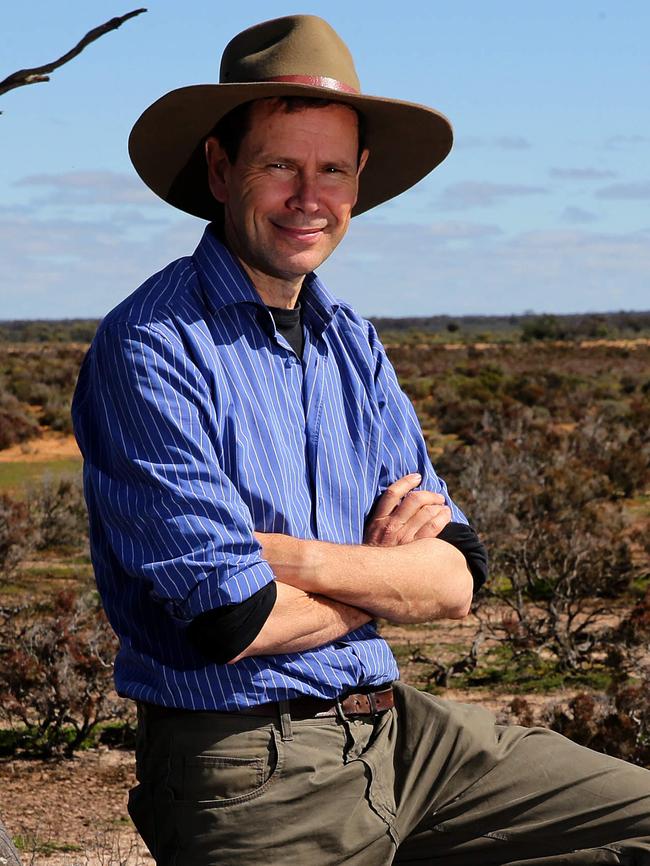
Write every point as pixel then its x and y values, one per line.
pixel 306 235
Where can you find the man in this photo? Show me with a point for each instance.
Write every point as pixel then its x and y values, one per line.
pixel 251 467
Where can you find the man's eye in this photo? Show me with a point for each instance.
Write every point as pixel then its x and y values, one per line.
pixel 278 165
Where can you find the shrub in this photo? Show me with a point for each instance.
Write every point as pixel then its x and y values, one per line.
pixel 616 724
pixel 16 425
pixel 56 676
pixel 543 328
pixel 16 535
pixel 545 503
pixel 557 585
pixel 58 513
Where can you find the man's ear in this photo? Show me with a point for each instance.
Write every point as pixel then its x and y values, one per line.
pixel 365 153
pixel 218 164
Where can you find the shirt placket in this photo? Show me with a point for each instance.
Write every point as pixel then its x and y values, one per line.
pixel 313 391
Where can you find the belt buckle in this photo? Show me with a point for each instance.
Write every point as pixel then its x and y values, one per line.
pixel 374 710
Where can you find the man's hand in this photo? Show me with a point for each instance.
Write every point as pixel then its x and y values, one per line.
pixel 402 514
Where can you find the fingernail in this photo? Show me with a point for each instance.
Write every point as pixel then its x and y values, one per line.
pixel 415 475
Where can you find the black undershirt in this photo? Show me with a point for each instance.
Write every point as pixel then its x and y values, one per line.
pixel 223 633
pixel 289 324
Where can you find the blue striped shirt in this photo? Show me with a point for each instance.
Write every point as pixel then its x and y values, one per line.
pixel 200 425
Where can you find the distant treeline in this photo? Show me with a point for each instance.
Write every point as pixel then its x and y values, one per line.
pixel 530 326
pixel 48 330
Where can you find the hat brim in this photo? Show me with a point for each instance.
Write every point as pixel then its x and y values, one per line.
pixel 406 141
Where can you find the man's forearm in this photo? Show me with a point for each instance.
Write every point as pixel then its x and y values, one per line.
pixel 301 621
pixel 425 580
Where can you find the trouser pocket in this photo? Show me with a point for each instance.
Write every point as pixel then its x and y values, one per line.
pixel 142 811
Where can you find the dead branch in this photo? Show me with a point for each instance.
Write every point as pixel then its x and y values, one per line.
pixel 40 73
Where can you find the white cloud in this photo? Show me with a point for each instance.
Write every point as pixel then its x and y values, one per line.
pixel 384 272
pixel 501 142
pixel 578 215
pixel 67 268
pixel 639 190
pixel 468 194
pixel 617 142
pixel 453 230
pixel 581 173
pixel 90 188
pixel 52 268
pixel 512 142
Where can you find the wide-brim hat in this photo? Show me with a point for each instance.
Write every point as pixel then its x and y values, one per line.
pixel 299 55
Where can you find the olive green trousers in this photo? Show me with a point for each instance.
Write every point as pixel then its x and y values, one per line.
pixel 428 782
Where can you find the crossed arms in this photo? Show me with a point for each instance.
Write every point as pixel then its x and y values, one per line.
pixel 403 572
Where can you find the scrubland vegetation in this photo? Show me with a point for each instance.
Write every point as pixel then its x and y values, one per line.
pixel 541 428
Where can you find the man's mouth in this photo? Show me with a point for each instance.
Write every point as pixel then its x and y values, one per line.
pixel 306 233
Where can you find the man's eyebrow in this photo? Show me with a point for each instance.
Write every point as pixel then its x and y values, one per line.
pixel 270 156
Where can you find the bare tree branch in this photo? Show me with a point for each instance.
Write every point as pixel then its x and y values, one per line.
pixel 40 73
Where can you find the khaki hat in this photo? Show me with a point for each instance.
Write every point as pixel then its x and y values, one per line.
pixel 300 55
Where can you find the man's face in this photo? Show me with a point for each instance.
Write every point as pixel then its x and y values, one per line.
pixel 290 193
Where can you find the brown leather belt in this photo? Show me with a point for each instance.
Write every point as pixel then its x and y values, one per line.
pixel 370 703
pixel 358 704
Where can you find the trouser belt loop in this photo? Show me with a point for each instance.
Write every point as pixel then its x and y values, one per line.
pixel 285 721
pixel 339 711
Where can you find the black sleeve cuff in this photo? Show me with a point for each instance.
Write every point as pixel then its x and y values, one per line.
pixel 223 633
pixel 467 541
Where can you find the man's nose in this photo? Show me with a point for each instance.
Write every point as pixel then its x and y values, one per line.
pixel 306 196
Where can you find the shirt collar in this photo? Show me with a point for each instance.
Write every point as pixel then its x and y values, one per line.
pixel 225 282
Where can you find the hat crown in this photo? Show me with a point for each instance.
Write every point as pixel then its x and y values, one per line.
pixel 296 45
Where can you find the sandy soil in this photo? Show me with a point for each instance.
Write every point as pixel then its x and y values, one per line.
pixel 49 446
pixel 72 813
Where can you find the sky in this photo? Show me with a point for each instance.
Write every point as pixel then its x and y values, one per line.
pixel 543 204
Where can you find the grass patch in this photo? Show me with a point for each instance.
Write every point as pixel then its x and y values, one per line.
pixel 34 845
pixel 16 476
pixel 57 571
pixel 26 742
pixel 500 670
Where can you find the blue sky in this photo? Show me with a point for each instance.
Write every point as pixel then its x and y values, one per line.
pixel 543 204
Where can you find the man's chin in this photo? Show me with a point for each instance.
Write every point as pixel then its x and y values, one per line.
pixel 298 264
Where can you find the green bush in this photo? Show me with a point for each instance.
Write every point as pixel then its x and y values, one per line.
pixel 16 425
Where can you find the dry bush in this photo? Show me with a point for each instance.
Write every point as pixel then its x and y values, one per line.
pixel 16 536
pixel 44 377
pixel 16 425
pixel 547 502
pixel 56 675
pixel 616 724
pixel 58 513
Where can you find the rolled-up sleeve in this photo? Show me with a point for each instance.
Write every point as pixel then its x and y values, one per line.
pixel 146 423
pixel 404 449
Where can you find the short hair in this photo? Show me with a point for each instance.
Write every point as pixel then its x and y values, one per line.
pixel 232 127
